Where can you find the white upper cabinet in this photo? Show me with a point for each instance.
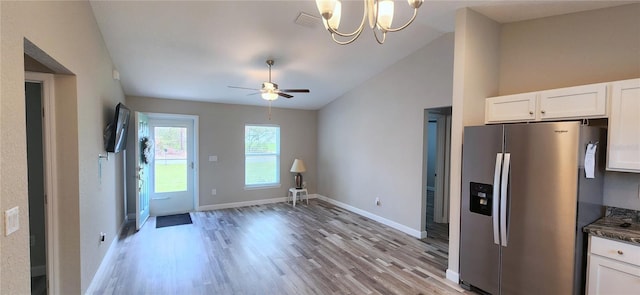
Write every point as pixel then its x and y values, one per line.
pixel 624 127
pixel 511 108
pixel 579 102
pixel 587 101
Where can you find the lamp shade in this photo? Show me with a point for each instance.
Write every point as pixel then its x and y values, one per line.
pixel 298 166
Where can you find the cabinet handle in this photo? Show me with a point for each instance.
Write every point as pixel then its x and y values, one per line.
pixel 530 112
pixel 620 252
pixel 542 111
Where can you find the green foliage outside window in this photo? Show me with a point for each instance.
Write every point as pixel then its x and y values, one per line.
pixel 262 155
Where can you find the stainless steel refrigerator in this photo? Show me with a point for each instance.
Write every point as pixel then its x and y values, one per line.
pixel 525 199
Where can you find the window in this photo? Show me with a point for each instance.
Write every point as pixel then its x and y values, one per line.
pixel 170 163
pixel 262 155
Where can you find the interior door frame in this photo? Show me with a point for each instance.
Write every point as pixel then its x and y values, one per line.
pixel 50 175
pixel 195 170
pixel 443 150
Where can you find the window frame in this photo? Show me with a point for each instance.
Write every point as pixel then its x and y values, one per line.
pixel 275 184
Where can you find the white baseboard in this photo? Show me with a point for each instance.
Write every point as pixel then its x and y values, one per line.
pixel 453 276
pixel 108 257
pixel 38 270
pixel 423 234
pixel 247 203
pixel 241 204
pixel 401 227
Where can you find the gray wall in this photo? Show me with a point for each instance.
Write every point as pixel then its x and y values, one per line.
pixel 88 205
pixel 221 133
pixel 371 139
pixel 575 49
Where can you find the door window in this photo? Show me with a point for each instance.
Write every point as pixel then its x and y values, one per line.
pixel 171 154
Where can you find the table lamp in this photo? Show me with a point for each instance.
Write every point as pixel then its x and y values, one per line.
pixel 298 167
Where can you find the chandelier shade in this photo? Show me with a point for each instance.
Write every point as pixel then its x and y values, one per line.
pixel 379 14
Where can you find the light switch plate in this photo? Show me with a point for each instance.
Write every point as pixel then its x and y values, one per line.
pixel 11 220
pixel 213 158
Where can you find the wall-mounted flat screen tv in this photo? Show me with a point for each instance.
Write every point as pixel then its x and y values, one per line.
pixel 115 135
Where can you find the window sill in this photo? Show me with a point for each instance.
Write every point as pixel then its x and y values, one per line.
pixel 257 187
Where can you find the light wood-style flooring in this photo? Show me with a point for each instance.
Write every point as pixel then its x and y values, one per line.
pixel 276 249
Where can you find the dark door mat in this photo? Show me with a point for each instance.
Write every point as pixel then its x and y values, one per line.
pixel 171 220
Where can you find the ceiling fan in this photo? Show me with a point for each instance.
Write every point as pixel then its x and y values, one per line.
pixel 269 90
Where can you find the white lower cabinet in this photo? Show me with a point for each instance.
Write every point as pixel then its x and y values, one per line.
pixel 614 267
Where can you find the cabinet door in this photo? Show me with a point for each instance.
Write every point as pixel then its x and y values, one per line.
pixel 511 108
pixel 624 127
pixel 607 276
pixel 588 101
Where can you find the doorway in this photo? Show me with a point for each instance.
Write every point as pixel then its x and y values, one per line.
pixel 437 154
pixel 40 132
pixel 173 171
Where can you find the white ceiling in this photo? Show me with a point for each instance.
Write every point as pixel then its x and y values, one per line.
pixel 194 50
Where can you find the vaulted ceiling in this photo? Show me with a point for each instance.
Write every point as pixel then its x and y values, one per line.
pixel 193 50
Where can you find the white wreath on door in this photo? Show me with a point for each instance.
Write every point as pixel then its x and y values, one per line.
pixel 147 150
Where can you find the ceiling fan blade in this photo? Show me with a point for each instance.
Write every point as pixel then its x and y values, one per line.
pixel 295 90
pixel 285 95
pixel 253 93
pixel 237 87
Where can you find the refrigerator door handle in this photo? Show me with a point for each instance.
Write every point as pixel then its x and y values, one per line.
pixel 504 185
pixel 495 201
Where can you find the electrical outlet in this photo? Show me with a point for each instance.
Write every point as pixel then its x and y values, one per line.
pixel 214 192
pixel 377 201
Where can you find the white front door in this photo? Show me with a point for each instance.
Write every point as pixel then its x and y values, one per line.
pixel 143 161
pixel 173 168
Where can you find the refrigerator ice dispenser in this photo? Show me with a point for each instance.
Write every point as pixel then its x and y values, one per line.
pixel 481 198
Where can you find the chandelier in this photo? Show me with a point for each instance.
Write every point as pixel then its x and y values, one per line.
pixel 378 12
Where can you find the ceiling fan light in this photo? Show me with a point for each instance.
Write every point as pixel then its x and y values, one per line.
pixel 269 95
pixel 268 86
pixel 326 8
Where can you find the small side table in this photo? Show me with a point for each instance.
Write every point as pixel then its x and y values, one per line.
pixel 295 192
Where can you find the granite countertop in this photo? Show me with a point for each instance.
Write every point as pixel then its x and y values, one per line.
pixel 609 226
